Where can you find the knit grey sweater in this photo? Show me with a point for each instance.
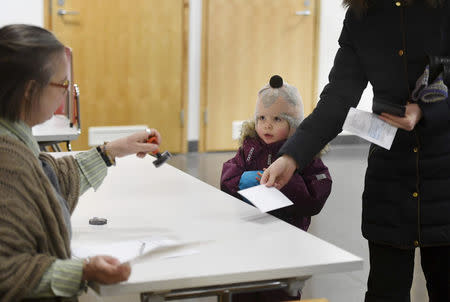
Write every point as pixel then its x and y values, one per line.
pixel 32 228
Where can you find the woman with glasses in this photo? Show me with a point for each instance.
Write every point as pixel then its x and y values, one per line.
pixel 38 193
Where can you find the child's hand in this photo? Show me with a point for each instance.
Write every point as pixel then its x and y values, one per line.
pixel 258 178
pixel 249 179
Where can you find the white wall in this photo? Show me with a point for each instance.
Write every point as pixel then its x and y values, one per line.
pixel 331 19
pixel 332 14
pixel 195 49
pixel 22 11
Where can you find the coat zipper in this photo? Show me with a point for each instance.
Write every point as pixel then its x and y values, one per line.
pixel 405 64
pixel 405 51
pixel 269 159
pixel 417 188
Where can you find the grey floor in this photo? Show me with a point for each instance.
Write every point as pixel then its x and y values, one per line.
pixel 338 223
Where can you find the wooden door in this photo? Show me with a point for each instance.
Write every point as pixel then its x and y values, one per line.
pixel 244 44
pixel 130 61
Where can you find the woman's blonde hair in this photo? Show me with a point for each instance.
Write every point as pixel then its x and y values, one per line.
pixel 248 129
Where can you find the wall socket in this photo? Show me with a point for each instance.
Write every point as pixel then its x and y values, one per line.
pixel 236 129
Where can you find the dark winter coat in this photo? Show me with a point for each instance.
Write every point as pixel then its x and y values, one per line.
pixel 307 190
pixel 406 200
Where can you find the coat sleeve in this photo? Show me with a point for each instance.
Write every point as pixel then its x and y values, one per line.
pixel 310 189
pixel 21 267
pixel 347 81
pixel 231 174
pixel 437 115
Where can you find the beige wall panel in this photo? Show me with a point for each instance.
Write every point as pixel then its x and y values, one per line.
pixel 129 61
pixel 245 43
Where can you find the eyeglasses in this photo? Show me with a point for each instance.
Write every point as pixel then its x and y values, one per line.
pixel 64 85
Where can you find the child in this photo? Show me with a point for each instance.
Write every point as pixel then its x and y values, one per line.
pixel 279 110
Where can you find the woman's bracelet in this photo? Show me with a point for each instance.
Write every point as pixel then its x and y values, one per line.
pixel 106 156
pixel 84 283
pixel 111 158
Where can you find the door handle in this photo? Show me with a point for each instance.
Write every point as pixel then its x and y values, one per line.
pixel 63 12
pixel 303 13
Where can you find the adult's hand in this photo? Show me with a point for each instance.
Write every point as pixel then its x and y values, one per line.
pixel 135 143
pixel 105 270
pixel 279 172
pixel 413 114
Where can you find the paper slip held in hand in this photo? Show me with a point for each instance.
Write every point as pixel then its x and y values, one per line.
pixel 266 199
pixel 370 127
pixel 125 251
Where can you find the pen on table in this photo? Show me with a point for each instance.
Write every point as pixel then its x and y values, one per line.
pixel 141 251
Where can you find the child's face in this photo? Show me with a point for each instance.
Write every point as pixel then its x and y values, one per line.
pixel 270 126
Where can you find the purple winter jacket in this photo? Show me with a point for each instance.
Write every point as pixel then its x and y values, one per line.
pixel 308 190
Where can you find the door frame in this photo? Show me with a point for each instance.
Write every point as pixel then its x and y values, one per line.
pixel 185 58
pixel 204 68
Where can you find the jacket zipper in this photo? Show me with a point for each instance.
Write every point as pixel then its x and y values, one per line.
pixel 405 51
pixel 269 159
pixel 417 187
pixel 405 63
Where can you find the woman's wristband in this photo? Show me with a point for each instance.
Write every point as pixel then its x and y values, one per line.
pixel 106 156
pixel 84 277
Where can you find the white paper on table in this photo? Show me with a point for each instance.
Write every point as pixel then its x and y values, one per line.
pixel 181 253
pixel 266 199
pixel 370 127
pixel 125 251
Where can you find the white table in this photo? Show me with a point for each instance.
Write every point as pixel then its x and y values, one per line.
pixel 56 130
pixel 238 246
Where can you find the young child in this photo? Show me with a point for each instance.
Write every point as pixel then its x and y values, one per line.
pixel 279 111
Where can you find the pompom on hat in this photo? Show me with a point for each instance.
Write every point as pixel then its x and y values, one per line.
pixel 276 81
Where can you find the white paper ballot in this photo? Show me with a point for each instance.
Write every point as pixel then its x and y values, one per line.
pixel 265 199
pixel 370 127
pixel 125 251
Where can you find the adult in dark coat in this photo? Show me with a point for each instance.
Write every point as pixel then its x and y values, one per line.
pixel 406 199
